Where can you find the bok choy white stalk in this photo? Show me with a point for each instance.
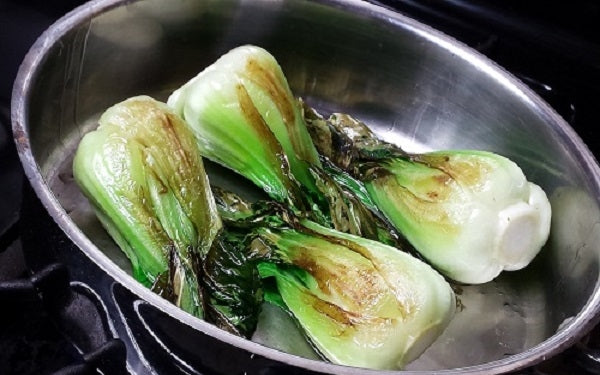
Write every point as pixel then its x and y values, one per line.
pixel 144 176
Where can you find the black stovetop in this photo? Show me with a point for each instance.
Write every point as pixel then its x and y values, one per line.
pixel 554 47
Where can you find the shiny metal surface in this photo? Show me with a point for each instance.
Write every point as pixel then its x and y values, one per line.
pixel 414 85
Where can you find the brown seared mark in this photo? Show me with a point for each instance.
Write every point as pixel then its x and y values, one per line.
pixel 334 312
pixel 320 274
pixel 163 187
pixel 367 280
pixel 344 320
pixel 468 172
pixel 163 125
pixel 266 135
pixel 432 195
pixel 256 120
pixel 372 171
pixel 167 124
pixel 442 179
pixel 335 279
pixel 326 279
pixel 187 160
pixel 268 80
pixel 347 322
pixel 170 143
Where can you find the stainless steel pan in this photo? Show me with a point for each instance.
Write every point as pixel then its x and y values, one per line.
pixel 414 85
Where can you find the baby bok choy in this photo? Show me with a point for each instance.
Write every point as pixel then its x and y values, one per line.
pixel 470 213
pixel 144 176
pixel 360 302
pixel 244 116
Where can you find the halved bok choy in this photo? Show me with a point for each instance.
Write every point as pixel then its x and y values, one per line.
pixel 144 176
pixel 471 214
pixel 360 302
pixel 244 116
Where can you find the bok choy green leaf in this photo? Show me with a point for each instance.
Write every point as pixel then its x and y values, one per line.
pixel 231 284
